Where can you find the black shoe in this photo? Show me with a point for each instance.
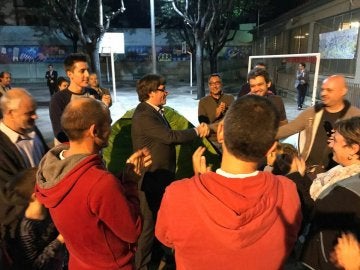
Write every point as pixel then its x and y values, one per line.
pixel 299 108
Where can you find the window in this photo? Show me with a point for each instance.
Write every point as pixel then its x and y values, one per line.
pixel 299 39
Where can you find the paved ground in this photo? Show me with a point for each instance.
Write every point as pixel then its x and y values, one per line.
pixel 181 97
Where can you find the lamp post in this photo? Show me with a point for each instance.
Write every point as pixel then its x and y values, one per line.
pixel 153 48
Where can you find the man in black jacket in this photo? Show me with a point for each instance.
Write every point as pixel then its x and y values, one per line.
pixel 51 79
pixel 150 129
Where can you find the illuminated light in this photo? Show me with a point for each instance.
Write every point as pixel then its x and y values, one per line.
pixel 354 24
pixel 349 25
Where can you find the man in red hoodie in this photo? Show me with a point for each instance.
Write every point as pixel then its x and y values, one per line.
pixel 237 217
pixel 97 213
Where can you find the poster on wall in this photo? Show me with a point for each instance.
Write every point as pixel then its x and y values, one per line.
pixel 338 44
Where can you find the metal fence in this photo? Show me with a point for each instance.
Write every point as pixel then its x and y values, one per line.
pixel 353 94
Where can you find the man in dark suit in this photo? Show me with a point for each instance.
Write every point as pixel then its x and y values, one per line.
pixel 301 84
pixel 51 79
pixel 150 129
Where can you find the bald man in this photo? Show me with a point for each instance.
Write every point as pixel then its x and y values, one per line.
pixel 107 213
pixel 310 123
pixel 21 147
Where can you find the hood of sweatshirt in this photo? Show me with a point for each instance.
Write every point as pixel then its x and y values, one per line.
pixel 239 211
pixel 55 177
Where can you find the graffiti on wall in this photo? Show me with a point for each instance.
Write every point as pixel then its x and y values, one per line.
pixel 174 54
pixel 237 52
pixel 56 54
pixel 23 54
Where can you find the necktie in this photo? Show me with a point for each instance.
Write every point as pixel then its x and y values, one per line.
pixel 161 111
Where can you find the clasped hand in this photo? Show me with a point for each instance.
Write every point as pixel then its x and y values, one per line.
pixel 203 130
pixel 199 161
pixel 220 109
pixel 138 162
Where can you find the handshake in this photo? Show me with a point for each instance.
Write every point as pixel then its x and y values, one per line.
pixel 203 130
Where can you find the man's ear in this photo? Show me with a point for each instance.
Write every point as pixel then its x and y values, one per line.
pixel 345 90
pixel 355 148
pixel 268 84
pixel 220 132
pixel 272 148
pixel 69 73
pixel 93 130
pixel 33 197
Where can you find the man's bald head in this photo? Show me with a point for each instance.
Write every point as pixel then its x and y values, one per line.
pixel 333 91
pixel 81 113
pixel 337 80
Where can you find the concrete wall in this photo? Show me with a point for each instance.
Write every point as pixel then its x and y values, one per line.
pixel 37 47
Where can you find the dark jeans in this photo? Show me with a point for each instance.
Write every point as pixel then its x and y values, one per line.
pixel 52 88
pixel 301 93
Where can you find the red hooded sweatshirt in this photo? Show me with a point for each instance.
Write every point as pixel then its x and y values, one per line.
pixel 215 222
pixel 97 214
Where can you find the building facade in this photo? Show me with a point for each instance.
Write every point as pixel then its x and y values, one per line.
pixel 330 27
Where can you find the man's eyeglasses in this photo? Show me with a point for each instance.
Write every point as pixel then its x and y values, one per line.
pixel 215 83
pixel 161 89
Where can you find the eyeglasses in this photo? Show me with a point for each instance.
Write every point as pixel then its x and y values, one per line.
pixel 161 89
pixel 214 83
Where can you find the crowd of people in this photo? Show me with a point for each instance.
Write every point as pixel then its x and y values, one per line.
pixel 269 205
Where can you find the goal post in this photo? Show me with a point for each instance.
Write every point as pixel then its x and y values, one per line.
pixel 307 55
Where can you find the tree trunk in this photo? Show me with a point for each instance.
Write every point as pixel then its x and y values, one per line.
pixel 93 51
pixel 213 63
pixel 75 45
pixel 199 68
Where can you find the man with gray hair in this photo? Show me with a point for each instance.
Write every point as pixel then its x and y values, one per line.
pixel 21 147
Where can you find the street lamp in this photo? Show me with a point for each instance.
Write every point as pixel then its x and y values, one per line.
pixel 153 48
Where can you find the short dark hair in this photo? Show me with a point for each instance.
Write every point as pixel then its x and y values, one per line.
pixel 250 126
pixel 256 72
pixel 285 154
pixel 73 58
pixel 260 64
pixel 60 80
pixel 2 74
pixel 303 64
pixel 23 183
pixel 147 84
pixel 215 75
pixel 78 118
pixel 350 130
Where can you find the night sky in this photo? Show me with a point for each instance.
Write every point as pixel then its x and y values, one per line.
pixel 137 14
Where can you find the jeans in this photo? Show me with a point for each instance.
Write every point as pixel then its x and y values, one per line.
pixel 301 93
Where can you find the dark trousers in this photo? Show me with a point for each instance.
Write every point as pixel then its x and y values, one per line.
pixel 301 93
pixel 52 88
pixel 146 239
pixel 151 191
